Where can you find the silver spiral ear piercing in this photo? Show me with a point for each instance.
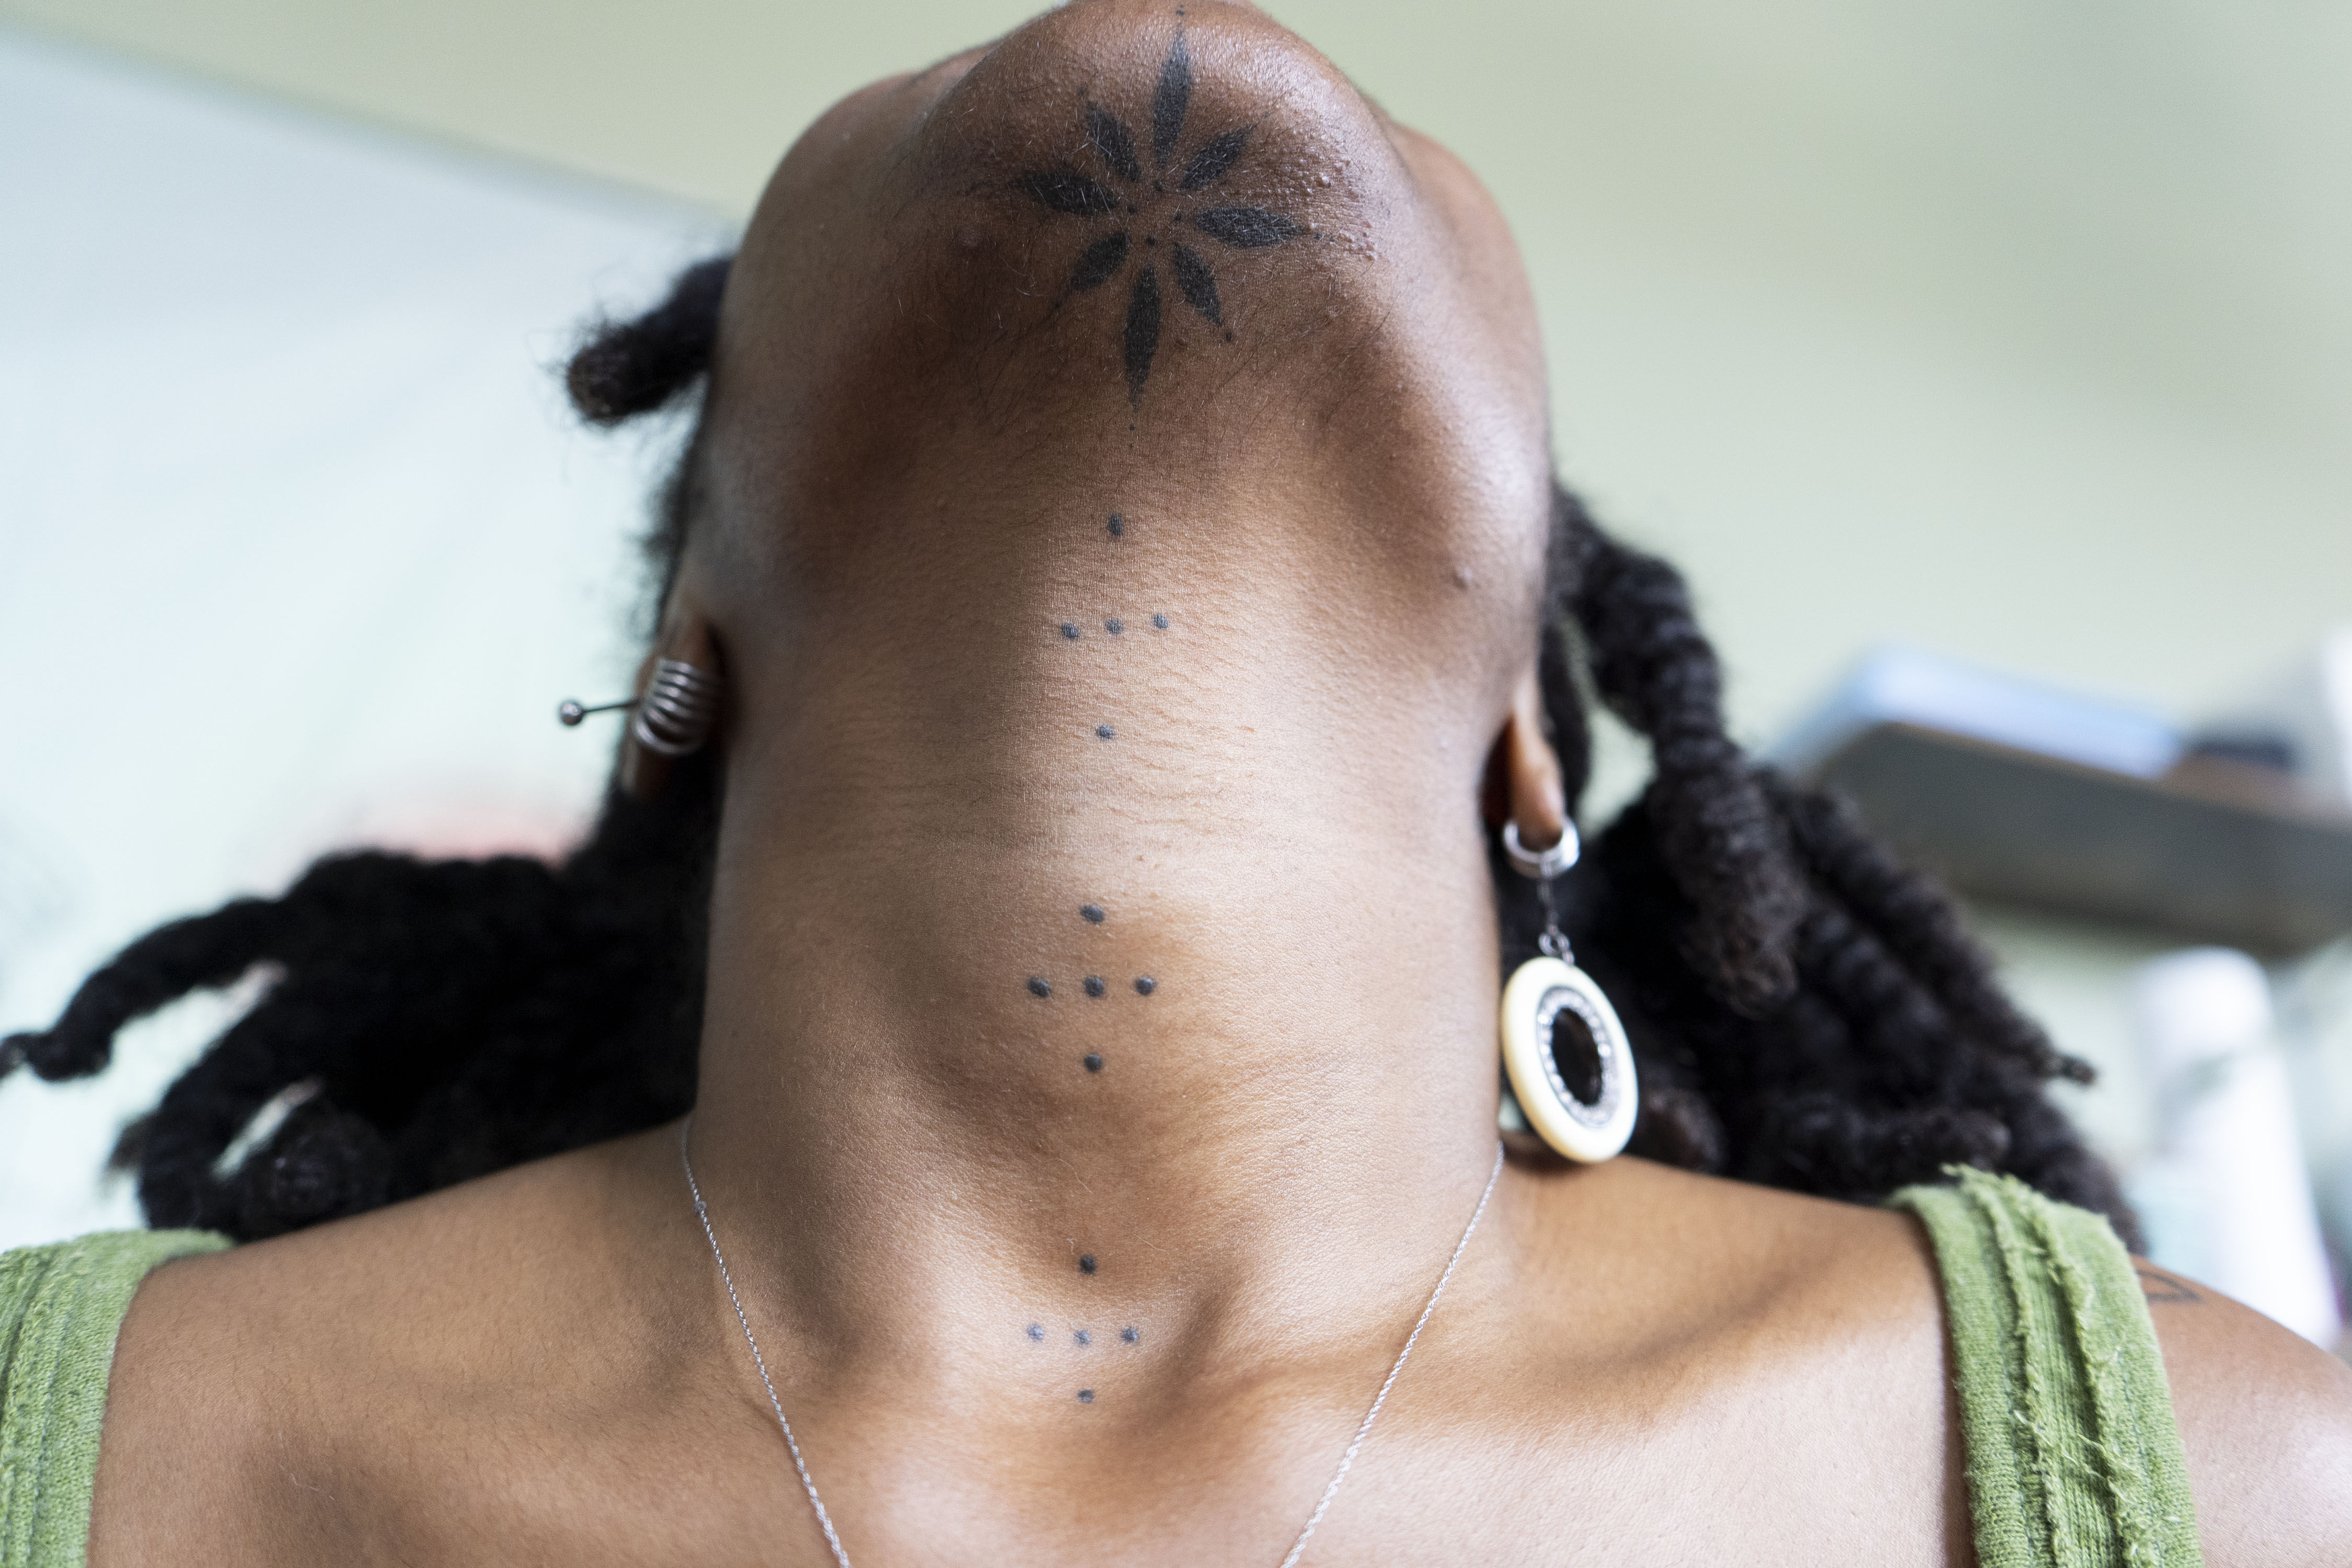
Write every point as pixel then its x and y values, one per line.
pixel 678 709
pixel 674 717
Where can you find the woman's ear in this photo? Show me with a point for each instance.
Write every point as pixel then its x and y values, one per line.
pixel 686 635
pixel 1524 777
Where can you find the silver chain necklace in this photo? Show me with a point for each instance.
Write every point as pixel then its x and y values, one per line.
pixel 1346 1460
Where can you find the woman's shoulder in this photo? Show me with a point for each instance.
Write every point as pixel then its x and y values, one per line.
pixel 1708 1248
pixel 1665 1324
pixel 61 1306
pixel 278 1391
pixel 2010 1286
pixel 2222 1424
pixel 55 1283
pixel 2265 1417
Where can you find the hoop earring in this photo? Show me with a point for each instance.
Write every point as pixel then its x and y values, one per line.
pixel 677 711
pixel 1543 993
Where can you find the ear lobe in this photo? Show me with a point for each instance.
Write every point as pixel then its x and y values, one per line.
pixel 1529 773
pixel 1494 784
pixel 688 636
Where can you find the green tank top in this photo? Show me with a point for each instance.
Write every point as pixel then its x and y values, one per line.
pixel 2073 1456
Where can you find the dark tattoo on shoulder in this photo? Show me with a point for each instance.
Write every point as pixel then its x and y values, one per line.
pixel 2158 1285
pixel 1154 205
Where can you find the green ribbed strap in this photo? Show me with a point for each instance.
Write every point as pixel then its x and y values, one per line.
pixel 61 1306
pixel 2074 1455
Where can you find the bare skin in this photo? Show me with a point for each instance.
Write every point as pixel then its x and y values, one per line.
pixel 1256 1145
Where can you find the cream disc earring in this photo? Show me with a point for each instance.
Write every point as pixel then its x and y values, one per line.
pixel 1549 1004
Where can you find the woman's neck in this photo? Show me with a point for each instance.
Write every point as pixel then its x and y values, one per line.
pixel 1183 1030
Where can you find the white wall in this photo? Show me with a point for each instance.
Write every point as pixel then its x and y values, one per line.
pixel 297 546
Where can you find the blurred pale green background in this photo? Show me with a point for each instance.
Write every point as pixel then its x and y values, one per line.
pixel 2022 331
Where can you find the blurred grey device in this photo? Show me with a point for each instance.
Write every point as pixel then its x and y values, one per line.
pixel 2024 792
pixel 2224 1193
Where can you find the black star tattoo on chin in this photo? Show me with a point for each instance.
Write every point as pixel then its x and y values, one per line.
pixel 1157 208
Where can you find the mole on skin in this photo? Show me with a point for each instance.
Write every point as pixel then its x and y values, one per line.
pixel 1160 622
pixel 1084 1337
pixel 1104 731
pixel 1087 1264
pixel 1130 1336
pixel 1037 1330
pixel 1093 913
pixel 1094 1063
pixel 1144 984
pixel 1117 526
pixel 1095 986
pixel 1114 625
pixel 1070 630
pixel 1038 987
pixel 1085 1396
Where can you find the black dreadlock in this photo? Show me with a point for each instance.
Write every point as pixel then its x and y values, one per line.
pixel 1806 1012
